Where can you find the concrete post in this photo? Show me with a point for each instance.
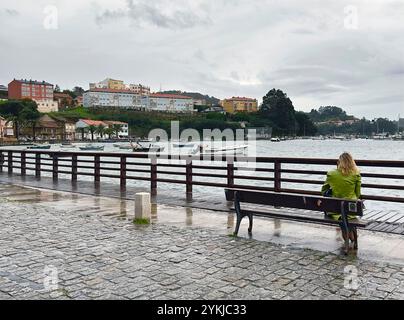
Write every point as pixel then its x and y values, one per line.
pixel 142 206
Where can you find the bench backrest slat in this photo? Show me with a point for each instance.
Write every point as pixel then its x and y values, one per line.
pixel 296 201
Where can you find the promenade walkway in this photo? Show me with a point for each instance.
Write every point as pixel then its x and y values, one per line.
pixel 72 246
pixel 386 221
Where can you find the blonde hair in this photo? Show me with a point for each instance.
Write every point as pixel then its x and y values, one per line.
pixel 347 165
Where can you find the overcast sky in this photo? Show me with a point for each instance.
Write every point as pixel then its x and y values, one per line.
pixel 314 50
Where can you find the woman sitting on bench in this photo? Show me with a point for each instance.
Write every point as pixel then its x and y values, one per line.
pixel 344 182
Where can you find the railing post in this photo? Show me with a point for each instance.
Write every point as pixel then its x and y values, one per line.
pixel 277 176
pixel 1 161
pixel 230 174
pixel 123 172
pixel 97 168
pixel 23 163
pixel 188 177
pixel 55 167
pixel 153 177
pixel 10 162
pixel 38 165
pixel 74 168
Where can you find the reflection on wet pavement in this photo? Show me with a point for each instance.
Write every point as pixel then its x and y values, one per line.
pixel 372 246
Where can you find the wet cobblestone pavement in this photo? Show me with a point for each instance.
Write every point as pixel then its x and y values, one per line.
pixel 54 246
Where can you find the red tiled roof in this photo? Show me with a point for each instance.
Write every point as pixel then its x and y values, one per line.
pixel 93 122
pixel 169 96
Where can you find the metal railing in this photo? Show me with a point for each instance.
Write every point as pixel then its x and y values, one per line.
pixel 269 174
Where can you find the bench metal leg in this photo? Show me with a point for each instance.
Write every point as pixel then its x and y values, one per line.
pixel 345 226
pixel 238 212
pixel 250 217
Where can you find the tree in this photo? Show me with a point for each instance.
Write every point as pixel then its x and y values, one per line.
pixel 11 112
pixel 92 130
pixel 117 128
pixel 20 113
pixel 109 132
pixel 278 108
pixel 30 116
pixel 82 131
pixel 57 88
pixel 305 127
pixel 78 91
pixel 100 130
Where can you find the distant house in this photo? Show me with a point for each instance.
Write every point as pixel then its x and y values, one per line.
pixel 78 101
pixel 47 128
pixel 168 102
pixel 68 127
pixel 116 98
pixel 6 129
pixel 39 91
pixel 83 125
pixel 64 100
pixel 124 132
pixel 239 104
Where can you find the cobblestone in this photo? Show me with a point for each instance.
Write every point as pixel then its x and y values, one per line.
pixel 103 257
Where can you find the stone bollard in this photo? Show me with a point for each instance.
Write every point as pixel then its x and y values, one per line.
pixel 142 206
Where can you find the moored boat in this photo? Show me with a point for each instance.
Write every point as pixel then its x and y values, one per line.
pixel 91 147
pixel 39 147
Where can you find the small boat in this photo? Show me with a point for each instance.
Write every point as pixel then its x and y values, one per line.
pixel 150 148
pixel 275 140
pixel 225 150
pixel 183 144
pixel 66 145
pixel 125 147
pixel 39 147
pixel 92 147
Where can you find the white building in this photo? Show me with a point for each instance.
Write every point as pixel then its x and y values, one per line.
pixel 6 128
pixel 168 103
pixel 46 106
pixel 112 98
pixel 124 132
pixel 83 128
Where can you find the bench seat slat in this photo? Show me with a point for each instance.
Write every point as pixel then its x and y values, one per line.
pixel 294 217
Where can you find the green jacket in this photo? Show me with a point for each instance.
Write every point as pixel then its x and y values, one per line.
pixel 348 187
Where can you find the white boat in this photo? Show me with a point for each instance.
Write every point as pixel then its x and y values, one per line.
pixel 126 147
pixel 225 150
pixel 275 140
pixel 192 148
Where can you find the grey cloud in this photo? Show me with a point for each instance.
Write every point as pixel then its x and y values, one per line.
pixel 140 11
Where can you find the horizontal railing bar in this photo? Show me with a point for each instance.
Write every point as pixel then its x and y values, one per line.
pixel 171 181
pixel 181 173
pixel 255 178
pixel 209 175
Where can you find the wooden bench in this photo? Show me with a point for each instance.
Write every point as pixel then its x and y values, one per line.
pixel 321 204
